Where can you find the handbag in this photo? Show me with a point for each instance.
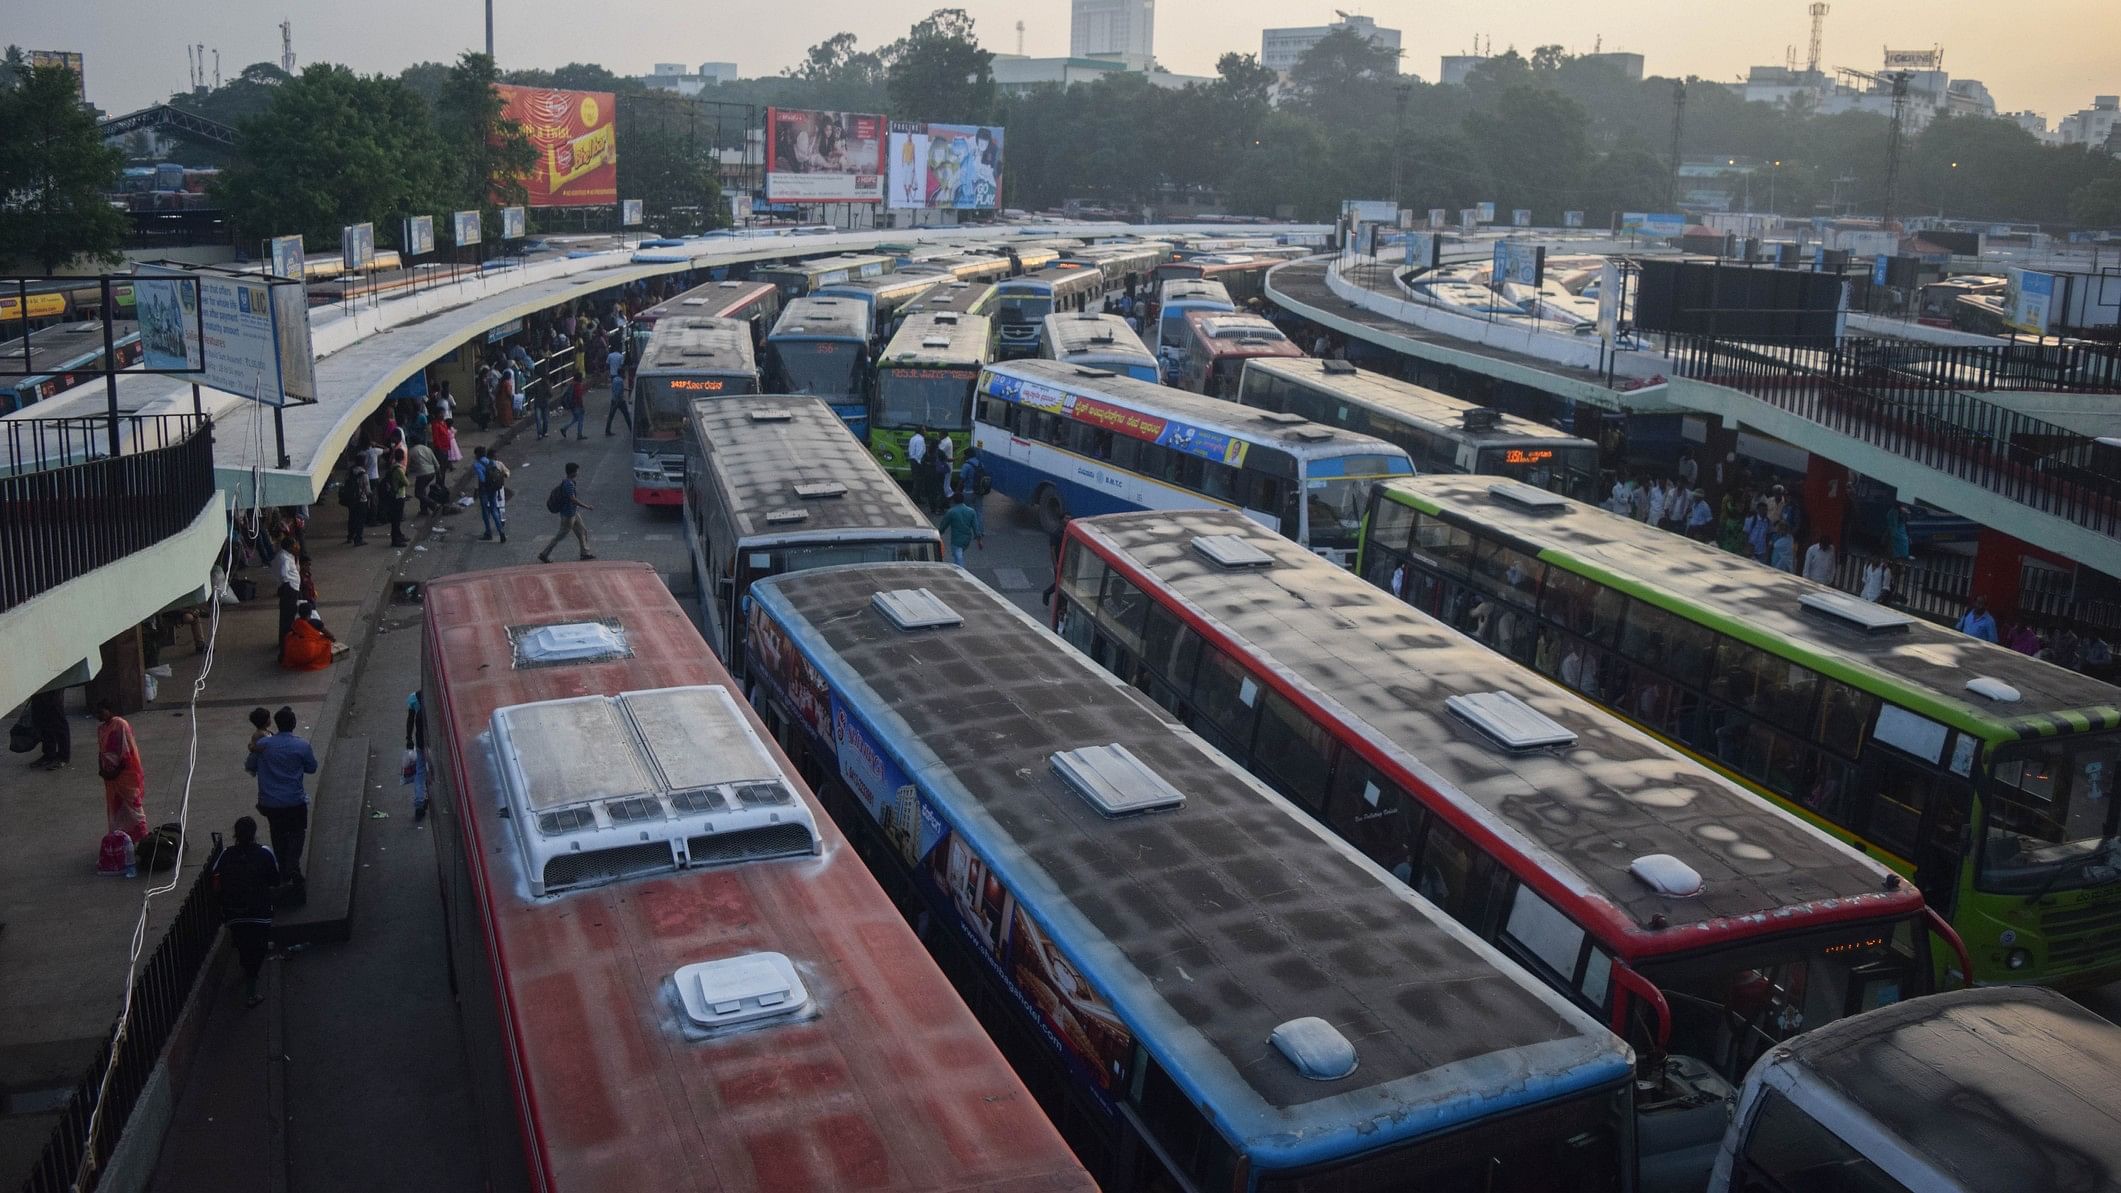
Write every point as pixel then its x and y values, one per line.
pixel 22 736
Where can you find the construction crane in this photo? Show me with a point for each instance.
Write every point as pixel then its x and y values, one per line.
pixel 1811 62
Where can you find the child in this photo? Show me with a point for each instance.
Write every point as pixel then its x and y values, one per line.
pixel 260 727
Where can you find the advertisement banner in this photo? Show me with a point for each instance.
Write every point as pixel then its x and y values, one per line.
pixel 237 340
pixel 41 306
pixel 629 213
pixel 1516 261
pixel 824 157
pixel 464 228
pixel 70 59
pixel 1609 287
pixel 576 138
pixel 419 235
pixel 1521 217
pixel 945 167
pixel 1653 224
pixel 357 245
pixel 1912 59
pixel 2029 301
pixel 1438 217
pixel 1366 240
pixel 1468 218
pixel 515 223
pixel 285 256
pixel 1422 249
pixel 1879 266
pixel 1380 211
pixel 1484 212
pixel 168 312
pixel 1181 437
pixel 1572 219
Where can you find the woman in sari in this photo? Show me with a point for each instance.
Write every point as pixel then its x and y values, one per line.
pixel 124 780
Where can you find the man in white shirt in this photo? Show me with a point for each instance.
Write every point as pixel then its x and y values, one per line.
pixel 1819 561
pixel 1657 500
pixel 287 581
pixel 917 472
pixel 1875 578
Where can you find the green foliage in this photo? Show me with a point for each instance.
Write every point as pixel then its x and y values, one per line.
pixel 246 95
pixel 54 171
pixel 939 72
pixel 575 76
pixel 2097 204
pixel 489 152
pixel 667 161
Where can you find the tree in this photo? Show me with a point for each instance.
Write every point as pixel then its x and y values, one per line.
pixel 490 153
pixel 54 173
pixel 839 60
pixel 334 149
pixel 669 165
pixel 939 72
pixel 1534 145
pixel 2097 204
pixel 14 67
pixel 246 95
pixel 426 79
pixel 1345 82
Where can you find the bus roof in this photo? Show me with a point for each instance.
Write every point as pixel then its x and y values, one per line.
pixel 699 344
pixel 1999 1089
pixel 1052 275
pixel 1230 333
pixel 813 318
pixel 886 285
pixel 714 298
pixel 1293 435
pixel 1360 656
pixel 1205 926
pixel 1194 290
pixel 1413 403
pixel 1920 665
pixel 1073 332
pixel 821 265
pixel 939 338
pixel 966 298
pixel 619 1095
pixel 765 452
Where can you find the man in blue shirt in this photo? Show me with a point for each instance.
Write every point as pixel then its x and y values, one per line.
pixel 615 364
pixel 566 501
pixel 1979 622
pixel 279 762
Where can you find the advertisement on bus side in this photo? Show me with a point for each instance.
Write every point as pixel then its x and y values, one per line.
pixel 1178 436
pixel 576 137
pixel 945 167
pixel 824 157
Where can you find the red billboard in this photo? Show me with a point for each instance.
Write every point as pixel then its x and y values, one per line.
pixel 824 157
pixel 577 142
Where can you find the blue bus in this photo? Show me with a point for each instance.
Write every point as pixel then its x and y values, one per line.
pixel 1175 300
pixel 1095 341
pixel 1074 441
pixel 820 347
pixel 1204 988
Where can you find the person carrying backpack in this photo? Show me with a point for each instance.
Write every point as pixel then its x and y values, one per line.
pixel 492 480
pixel 972 479
pixel 565 501
pixel 353 496
pixel 245 874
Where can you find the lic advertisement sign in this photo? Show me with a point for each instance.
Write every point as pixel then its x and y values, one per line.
pixel 238 332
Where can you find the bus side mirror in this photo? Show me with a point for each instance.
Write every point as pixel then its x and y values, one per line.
pixel 724 588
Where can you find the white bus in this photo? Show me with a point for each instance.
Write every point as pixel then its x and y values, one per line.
pixel 1073 441
pixel 1021 304
pixel 1096 341
pixel 1175 300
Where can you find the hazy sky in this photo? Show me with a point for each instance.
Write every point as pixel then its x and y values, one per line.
pixel 2048 55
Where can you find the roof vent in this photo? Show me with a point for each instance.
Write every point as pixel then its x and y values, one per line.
pixel 1315 1047
pixel 915 609
pixel 1338 368
pixel 935 341
pixel 1511 722
pixel 1855 612
pixel 1480 418
pixel 1082 371
pixel 797 328
pixel 743 989
pixel 695 352
pixel 1114 781
pixel 693 302
pixel 568 642
pixel 1990 688
pixel 772 416
pixel 1312 434
pixel 819 490
pixel 1666 875
pixel 1280 416
pixel 784 517
pixel 947 319
pixel 1526 497
pixel 1231 551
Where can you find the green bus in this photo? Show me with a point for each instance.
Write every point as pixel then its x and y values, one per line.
pixel 1984 775
pixel 925 380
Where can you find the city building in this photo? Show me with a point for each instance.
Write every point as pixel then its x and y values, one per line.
pixel 1629 65
pixel 2034 123
pixel 2092 126
pixel 1456 68
pixel 1931 91
pixel 1126 28
pixel 675 76
pixel 1280 49
pixel 1015 74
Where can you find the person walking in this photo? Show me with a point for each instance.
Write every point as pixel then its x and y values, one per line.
pixel 447 452
pixel 55 738
pixel 490 476
pixel 566 501
pixel 124 775
pixel 397 486
pixel 1700 520
pixel 1757 529
pixel 616 362
pixel 1979 622
pixel 354 498
pixel 939 456
pixel 423 468
pixel 540 404
pixel 917 466
pixel 1819 561
pixel 577 407
pixel 972 476
pixel 1782 551
pixel 287 585
pixel 244 875
pixel 279 762
pixel 961 527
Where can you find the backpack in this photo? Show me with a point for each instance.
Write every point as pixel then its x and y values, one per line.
pixel 496 476
pixel 556 501
pixel 115 856
pixel 161 847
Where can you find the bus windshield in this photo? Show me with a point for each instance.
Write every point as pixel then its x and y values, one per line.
pixel 821 368
pixel 2051 817
pixel 937 398
pixel 661 401
pixel 1020 307
pixel 779 561
pixel 1570 471
pixel 1336 490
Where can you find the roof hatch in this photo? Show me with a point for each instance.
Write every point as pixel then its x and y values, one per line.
pixel 569 642
pixel 915 609
pixel 772 416
pixel 1990 688
pixel 1338 368
pixel 1526 497
pixel 1666 875
pixel 935 341
pixel 1511 722
pixel 1855 612
pixel 741 989
pixel 1281 417
pixel 1231 551
pixel 1084 371
pixel 1479 418
pixel 947 319
pixel 1114 781
pixel 819 490
pixel 1315 1047
pixel 783 517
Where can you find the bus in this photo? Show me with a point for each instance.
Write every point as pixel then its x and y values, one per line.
pixel 963 267
pixel 1984 775
pixel 1021 304
pixel 670 971
pixel 1439 433
pixel 1128 267
pixel 1977 1091
pixel 925 381
pixel 777 485
pixel 960 298
pixel 799 279
pixel 1072 441
pixel 757 303
pixel 1030 256
pixel 1704 925
pixel 1217 345
pixel 820 347
pixel 885 295
pixel 1093 341
pixel 1174 299
pixel 687 357
pixel 1204 991
pixel 60 357
pixel 1243 275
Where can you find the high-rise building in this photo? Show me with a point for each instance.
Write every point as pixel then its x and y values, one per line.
pixel 1117 28
pixel 1280 49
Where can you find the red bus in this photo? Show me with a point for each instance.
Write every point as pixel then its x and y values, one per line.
pixel 1244 275
pixel 1704 924
pixel 672 971
pixel 755 303
pixel 1217 345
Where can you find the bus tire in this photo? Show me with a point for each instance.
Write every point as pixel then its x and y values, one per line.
pixel 1052 511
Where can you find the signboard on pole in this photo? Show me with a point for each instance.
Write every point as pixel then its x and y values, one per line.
pixel 1484 212
pixel 1423 249
pixel 1380 211
pixel 1438 217
pixel 464 228
pixel 1609 286
pixel 2029 301
pixel 250 338
pixel 1521 217
pixel 357 245
pixel 1468 218
pixel 824 157
pixel 1643 223
pixel 285 255
pixel 66 59
pixel 944 167
pixel 1366 239
pixel 629 213
pixel 1572 219
pixel 576 137
pixel 419 235
pixel 1516 261
pixel 514 223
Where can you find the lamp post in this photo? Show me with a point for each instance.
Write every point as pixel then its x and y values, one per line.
pixel 1774 176
pixel 1401 93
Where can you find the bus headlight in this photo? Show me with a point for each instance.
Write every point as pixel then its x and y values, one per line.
pixel 887 455
pixel 2018 959
pixel 649 476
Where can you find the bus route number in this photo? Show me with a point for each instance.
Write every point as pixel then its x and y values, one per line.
pixel 1519 455
pixel 696 385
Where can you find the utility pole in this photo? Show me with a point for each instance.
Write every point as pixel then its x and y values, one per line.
pixel 1401 93
pixel 1678 127
pixel 489 28
pixel 1893 147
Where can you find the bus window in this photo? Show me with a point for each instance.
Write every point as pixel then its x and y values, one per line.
pixel 1446 868
pixel 1082 575
pixel 1788 1151
pixel 1225 701
pixel 1509 571
pixel 1898 792
pixel 1293 752
pixel 1844 712
pixel 1374 815
pixel 1119 612
pixel 1161 638
pixel 1543 933
pixel 1391 525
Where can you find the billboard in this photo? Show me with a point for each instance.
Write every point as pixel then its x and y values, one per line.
pixel 1572 219
pixel 1484 212
pixel 514 223
pixel 1468 218
pixel 241 333
pixel 70 59
pixel 285 255
pixel 1930 59
pixel 824 157
pixel 1641 223
pixel 1521 217
pixel 1437 218
pixel 419 235
pixel 1423 249
pixel 2029 301
pixel 1777 306
pixel 629 213
pixel 577 142
pixel 1376 211
pixel 1516 261
pixel 1609 299
pixel 945 167
pixel 357 245
pixel 464 228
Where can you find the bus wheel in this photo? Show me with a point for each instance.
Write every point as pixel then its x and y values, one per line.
pixel 1052 511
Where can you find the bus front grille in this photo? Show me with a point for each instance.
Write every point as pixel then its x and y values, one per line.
pixel 773 840
pixel 605 865
pixel 2083 934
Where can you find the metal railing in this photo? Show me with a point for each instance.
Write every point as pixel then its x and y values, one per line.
pixel 2036 463
pixel 68 507
pixel 1940 587
pixel 71 1160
